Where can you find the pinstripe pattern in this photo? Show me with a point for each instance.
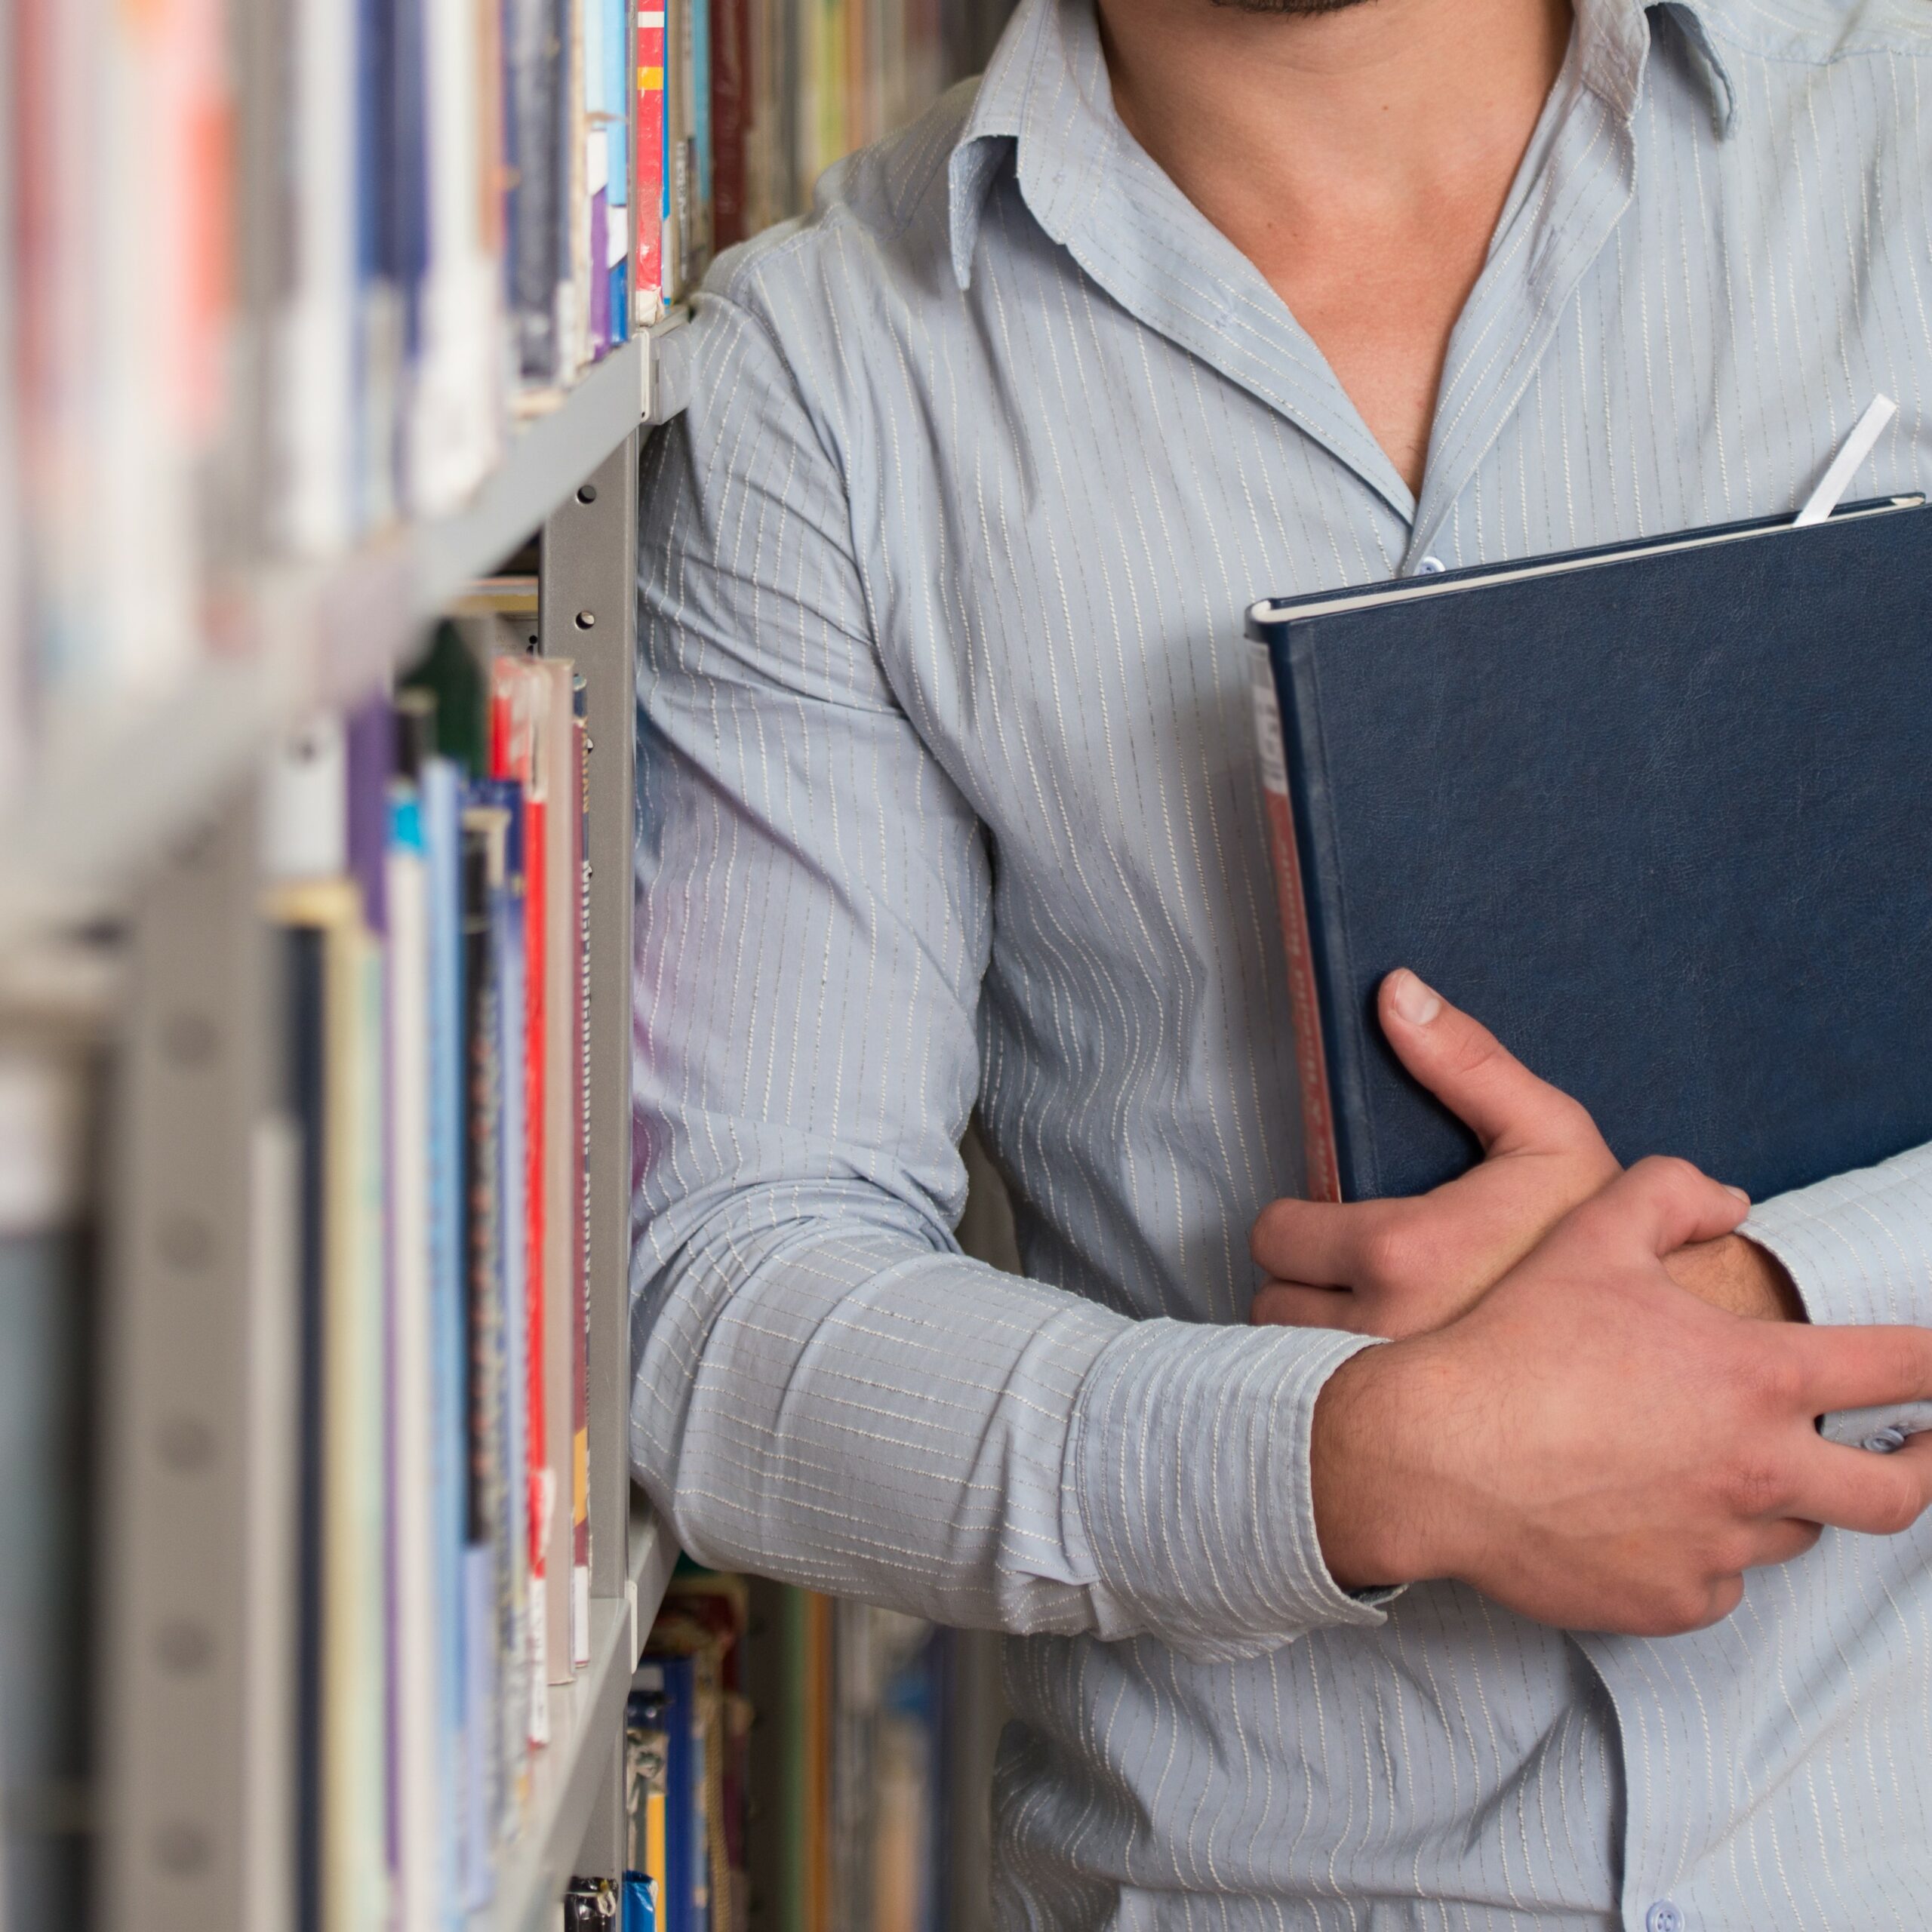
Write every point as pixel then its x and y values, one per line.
pixel 947 793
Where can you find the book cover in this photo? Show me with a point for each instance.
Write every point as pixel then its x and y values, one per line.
pixel 1578 735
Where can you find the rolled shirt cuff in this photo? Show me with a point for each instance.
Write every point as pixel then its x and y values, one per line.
pixel 1189 1483
pixel 1858 1248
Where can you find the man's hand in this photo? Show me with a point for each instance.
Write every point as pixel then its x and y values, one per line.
pixel 1404 1265
pixel 1597 1450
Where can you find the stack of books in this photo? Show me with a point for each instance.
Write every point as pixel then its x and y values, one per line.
pixel 429 886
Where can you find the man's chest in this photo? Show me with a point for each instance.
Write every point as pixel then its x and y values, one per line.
pixel 1061 599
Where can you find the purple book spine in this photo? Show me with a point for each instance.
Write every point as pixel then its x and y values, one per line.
pixel 371 739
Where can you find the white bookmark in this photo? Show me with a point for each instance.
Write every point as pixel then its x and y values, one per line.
pixel 1852 452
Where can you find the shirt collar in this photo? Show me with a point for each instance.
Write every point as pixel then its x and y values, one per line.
pixel 1046 96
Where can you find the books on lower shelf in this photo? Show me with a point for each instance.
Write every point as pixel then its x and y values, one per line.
pixel 775 1732
pixel 428 889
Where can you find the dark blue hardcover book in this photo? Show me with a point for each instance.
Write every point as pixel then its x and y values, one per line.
pixel 1658 814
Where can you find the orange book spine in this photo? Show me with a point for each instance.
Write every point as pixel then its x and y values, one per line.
pixel 1318 1115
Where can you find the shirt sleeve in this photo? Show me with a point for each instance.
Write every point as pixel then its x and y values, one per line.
pixel 1858 1248
pixel 826 1391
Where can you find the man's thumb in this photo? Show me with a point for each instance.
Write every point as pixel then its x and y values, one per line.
pixel 1470 1071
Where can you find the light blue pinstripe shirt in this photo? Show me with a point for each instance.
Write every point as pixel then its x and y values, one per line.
pixel 948 793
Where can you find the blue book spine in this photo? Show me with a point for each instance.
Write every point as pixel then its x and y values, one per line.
pixel 442 840
pixel 701 103
pixel 517 1687
pixel 687 1887
pixel 640 1903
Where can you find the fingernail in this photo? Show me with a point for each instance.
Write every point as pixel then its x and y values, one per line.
pixel 1412 1001
pixel 1739 1195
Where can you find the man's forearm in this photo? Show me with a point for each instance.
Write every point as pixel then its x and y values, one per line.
pixel 822 1398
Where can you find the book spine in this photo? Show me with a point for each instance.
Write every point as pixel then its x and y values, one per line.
pixel 580 1184
pixel 485 1558
pixel 620 98
pixel 1317 1117
pixel 520 1699
pixel 553 749
pixel 646 209
pixel 442 834
pixel 415 1720
pixel 730 59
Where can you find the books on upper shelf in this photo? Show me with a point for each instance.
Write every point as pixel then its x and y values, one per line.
pixel 362 237
pixel 425 861
pixel 743 104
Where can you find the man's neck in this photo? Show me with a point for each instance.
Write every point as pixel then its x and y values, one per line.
pixel 1360 159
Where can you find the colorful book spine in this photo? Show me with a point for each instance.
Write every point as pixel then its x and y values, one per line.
pixel 486 1555
pixel 416 1681
pixel 440 789
pixel 580 1185
pixel 648 203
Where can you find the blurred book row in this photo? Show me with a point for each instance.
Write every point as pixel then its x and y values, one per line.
pixel 797 1763
pixel 281 274
pixel 428 890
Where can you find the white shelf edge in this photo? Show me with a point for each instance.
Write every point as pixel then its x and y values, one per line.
pixel 536 1865
pixel 76 837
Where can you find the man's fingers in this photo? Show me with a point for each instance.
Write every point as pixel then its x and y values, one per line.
pixel 1295 1305
pixel 1470 1071
pixel 1663 1203
pixel 1324 1243
pixel 1861 1368
pixel 1853 1489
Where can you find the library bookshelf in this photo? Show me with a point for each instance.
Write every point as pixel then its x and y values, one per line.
pixel 134 934
pixel 194 1754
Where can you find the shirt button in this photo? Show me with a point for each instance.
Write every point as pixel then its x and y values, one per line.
pixel 1882 1442
pixel 1664 1917
pixel 1430 566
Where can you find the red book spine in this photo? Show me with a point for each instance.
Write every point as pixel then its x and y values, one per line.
pixel 512 755
pixel 1317 1117
pixel 535 1009
pixel 580 1184
pixel 647 199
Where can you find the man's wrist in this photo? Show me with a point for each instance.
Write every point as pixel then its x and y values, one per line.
pixel 1371 1533
pixel 1738 1275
